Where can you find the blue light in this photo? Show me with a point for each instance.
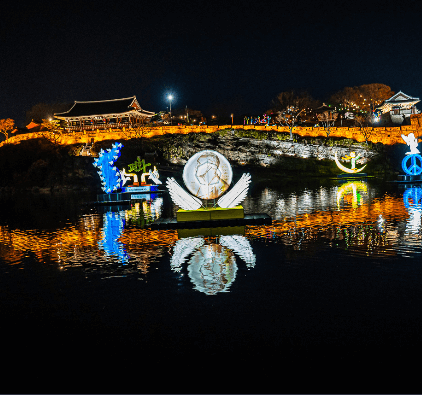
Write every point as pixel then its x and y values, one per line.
pixel 113 225
pixel 108 173
pixel 414 167
pixel 412 198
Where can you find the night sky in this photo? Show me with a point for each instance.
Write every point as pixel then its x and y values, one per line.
pixel 217 57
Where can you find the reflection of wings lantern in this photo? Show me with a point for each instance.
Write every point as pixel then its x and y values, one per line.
pixel 182 249
pixel 110 176
pixel 212 267
pixel 241 246
pixel 208 175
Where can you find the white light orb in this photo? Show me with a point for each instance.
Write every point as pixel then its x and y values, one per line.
pixel 207 174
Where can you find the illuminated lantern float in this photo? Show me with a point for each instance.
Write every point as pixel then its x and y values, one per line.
pixel 412 162
pixel 353 171
pixel 113 180
pixel 207 176
pixel 109 174
pixel 141 167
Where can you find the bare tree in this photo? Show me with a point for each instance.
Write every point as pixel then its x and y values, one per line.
pixel 372 95
pixel 327 119
pixel 289 117
pixel 7 125
pixel 292 98
pixel 363 122
pixel 41 111
pixel 361 98
pixel 290 106
pixel 52 130
pixel 344 98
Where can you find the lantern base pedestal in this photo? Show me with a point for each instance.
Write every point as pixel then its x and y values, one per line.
pixel 143 188
pixel 210 214
pixel 352 175
pixel 409 178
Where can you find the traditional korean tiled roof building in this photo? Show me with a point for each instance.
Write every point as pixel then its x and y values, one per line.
pixel 399 106
pixel 104 114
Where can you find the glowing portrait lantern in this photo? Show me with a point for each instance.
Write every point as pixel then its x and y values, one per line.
pixel 207 174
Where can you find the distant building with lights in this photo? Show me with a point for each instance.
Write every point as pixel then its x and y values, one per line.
pixel 399 108
pixel 104 114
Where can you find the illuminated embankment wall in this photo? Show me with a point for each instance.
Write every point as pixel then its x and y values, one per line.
pixel 384 135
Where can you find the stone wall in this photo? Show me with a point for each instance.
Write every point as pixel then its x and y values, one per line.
pixel 384 135
pixel 246 151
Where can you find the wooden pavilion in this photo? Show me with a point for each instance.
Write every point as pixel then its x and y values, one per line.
pixel 400 107
pixel 104 114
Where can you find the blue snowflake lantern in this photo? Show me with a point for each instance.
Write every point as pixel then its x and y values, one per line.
pixel 109 174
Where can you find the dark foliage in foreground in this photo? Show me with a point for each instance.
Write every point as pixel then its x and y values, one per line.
pixel 41 163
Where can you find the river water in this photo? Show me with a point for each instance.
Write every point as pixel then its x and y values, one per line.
pixel 94 301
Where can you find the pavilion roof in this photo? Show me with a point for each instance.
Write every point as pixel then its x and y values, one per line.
pixel 323 108
pixel 32 125
pixel 104 107
pixel 399 99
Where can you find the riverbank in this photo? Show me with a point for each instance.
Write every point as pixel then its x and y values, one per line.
pixel 43 167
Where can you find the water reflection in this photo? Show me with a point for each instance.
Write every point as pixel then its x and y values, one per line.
pixel 142 213
pixel 113 225
pixel 353 216
pixel 355 193
pixel 412 198
pixel 357 218
pixel 211 262
pixel 282 205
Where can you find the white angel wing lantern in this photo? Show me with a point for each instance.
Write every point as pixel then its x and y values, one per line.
pixel 207 175
pixel 237 194
pixel 412 142
pixel 182 198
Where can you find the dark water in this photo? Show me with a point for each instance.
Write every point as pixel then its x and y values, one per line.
pixel 326 299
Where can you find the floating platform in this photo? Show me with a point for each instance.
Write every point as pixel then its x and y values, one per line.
pixel 408 178
pixel 407 181
pixel 211 232
pixel 140 189
pixel 349 176
pixel 126 197
pixel 248 219
pixel 204 214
